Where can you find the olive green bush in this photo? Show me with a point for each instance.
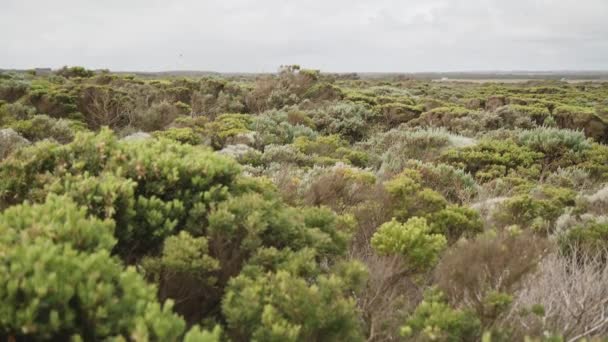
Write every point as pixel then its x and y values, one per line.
pixel 59 281
pixel 282 301
pixel 435 320
pixel 490 159
pixel 41 127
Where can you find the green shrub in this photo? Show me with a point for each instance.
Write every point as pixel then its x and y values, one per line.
pixel 42 127
pixel 412 240
pixel 455 222
pixel 350 120
pixel 409 198
pixel 435 320
pixel 275 127
pixel 186 204
pixel 183 135
pixel 561 148
pixel 293 301
pixel 226 126
pixel 587 240
pixel 11 112
pixel 537 210
pixel 491 159
pixel 75 71
pixel 327 150
pixel 456 185
pixel 58 281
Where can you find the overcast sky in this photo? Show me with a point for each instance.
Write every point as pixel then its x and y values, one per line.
pixel 331 35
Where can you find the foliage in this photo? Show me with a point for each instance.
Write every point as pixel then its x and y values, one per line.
pixel 480 273
pixel 10 141
pixel 301 206
pixel 455 222
pixel 413 240
pixel 435 320
pixel 280 306
pixel 588 239
pixel 349 120
pixel 537 210
pixel 329 150
pixel 183 135
pixel 74 71
pixel 490 159
pixel 227 125
pixel 409 198
pixel 41 127
pixel 59 281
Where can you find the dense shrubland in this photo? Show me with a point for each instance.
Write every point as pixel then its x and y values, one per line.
pixel 301 206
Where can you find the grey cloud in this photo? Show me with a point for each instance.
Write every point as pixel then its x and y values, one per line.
pixel 334 35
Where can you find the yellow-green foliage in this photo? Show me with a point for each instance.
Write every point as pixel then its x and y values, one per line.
pixel 412 240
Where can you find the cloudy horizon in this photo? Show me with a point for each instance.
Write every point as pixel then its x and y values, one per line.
pixel 334 36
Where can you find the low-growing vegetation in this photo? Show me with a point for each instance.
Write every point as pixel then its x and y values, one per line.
pixel 301 206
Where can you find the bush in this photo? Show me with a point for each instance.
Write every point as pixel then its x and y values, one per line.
pixel 106 106
pixel 10 141
pixel 75 71
pixel 396 147
pixel 11 112
pixel 409 198
pixel 350 120
pixel 184 135
pixel 340 187
pixel 58 281
pixel 42 127
pixel 521 116
pixel 396 113
pixel 575 117
pixel 285 154
pixel 226 126
pixel 590 239
pixel 537 210
pixel 456 185
pixel 455 222
pixel 276 127
pixel 435 320
pixel 268 305
pixel 156 117
pixel 562 297
pixel 188 202
pixel 243 154
pixel 327 150
pixel 413 240
pixel 13 90
pixel 560 148
pixel 473 271
pixel 490 159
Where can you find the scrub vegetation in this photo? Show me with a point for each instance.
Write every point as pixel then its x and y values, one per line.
pixel 301 206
